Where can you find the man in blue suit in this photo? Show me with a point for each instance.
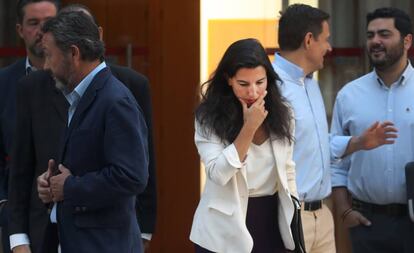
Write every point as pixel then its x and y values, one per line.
pixel 104 157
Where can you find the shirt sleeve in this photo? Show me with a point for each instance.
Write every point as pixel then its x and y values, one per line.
pixel 18 239
pixel 338 144
pixel 146 236
pixel 221 161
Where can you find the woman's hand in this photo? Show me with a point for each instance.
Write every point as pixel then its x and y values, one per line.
pixel 253 118
pixel 255 114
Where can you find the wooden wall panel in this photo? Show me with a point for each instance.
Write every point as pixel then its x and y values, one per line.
pixel 124 22
pixel 174 64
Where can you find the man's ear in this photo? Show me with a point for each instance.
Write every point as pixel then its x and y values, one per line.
pixel 100 33
pixel 19 30
pixel 308 40
pixel 75 53
pixel 408 41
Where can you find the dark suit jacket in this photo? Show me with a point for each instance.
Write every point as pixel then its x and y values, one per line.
pixel 39 102
pixel 8 80
pixel 105 148
pixel 147 201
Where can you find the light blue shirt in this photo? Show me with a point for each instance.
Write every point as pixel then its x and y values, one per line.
pixel 375 176
pixel 311 150
pixel 73 98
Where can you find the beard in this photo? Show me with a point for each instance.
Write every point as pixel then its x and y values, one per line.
pixel 64 83
pixel 63 75
pixel 391 55
pixel 36 48
pixel 60 85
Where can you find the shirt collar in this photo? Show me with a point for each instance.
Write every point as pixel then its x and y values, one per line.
pixel 29 67
pixel 293 70
pixel 83 85
pixel 402 80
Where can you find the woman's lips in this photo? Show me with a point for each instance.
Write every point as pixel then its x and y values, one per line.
pixel 249 102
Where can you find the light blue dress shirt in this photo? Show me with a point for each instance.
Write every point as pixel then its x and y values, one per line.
pixel 375 176
pixel 73 98
pixel 311 150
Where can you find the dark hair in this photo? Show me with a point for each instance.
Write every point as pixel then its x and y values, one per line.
pixel 220 111
pixel 296 21
pixel 79 7
pixel 76 28
pixel 22 3
pixel 402 21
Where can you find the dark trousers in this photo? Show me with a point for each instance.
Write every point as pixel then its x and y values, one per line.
pixel 387 234
pixel 4 221
pixel 50 242
pixel 262 223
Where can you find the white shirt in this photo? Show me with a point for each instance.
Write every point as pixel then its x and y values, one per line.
pixel 261 170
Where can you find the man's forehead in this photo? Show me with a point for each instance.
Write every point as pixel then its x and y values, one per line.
pixel 41 9
pixel 381 24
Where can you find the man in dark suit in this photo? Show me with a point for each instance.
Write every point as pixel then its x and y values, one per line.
pixel 40 101
pixel 104 153
pixel 31 14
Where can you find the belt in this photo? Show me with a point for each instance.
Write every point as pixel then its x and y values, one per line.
pixel 389 209
pixel 313 205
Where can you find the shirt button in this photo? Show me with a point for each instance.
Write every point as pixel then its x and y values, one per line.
pixel 390 110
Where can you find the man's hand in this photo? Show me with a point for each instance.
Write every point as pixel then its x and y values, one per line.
pixel 146 244
pixel 57 182
pixel 378 135
pixel 43 187
pixel 22 249
pixel 355 218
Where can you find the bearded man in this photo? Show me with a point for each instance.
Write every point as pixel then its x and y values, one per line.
pixel 369 187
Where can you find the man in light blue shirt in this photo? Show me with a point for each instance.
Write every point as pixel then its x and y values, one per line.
pixel 376 178
pixel 304 41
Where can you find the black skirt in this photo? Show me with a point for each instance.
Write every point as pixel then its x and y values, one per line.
pixel 261 221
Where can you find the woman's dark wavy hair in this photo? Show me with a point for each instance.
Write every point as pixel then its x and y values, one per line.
pixel 221 113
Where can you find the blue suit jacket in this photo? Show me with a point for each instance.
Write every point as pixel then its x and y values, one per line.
pixel 105 148
pixel 8 80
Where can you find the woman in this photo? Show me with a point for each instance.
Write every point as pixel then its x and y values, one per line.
pixel 244 137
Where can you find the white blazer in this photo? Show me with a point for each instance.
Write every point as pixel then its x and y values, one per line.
pixel 219 223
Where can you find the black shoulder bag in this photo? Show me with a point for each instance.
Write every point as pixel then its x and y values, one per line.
pixel 296 228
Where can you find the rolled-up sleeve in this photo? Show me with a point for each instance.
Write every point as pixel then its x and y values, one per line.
pixel 221 161
pixel 338 143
